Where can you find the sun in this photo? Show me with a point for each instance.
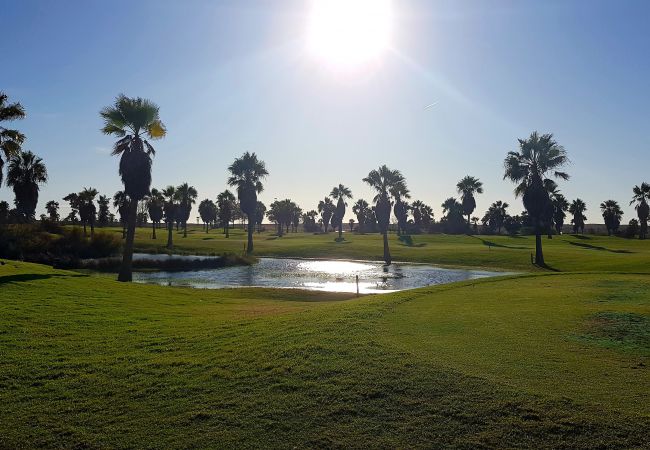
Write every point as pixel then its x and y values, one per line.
pixel 348 34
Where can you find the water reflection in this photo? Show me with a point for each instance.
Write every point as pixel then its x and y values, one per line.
pixel 331 275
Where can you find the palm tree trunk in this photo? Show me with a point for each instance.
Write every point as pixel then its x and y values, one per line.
pixel 127 254
pixel 387 259
pixel 170 232
pixel 92 229
pixel 153 227
pixel 249 247
pixel 185 228
pixel 539 255
pixel 85 232
pixel 341 229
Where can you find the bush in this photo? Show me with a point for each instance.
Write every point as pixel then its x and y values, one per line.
pixel 48 243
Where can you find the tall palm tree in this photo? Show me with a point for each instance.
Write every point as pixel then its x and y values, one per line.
pixel 132 119
pixel 10 140
pixel 361 209
pixel 26 171
pixel 226 203
pixel 247 173
pixel 384 181
pixel 155 208
pixel 340 193
pixel 612 214
pixel 186 196
pixel 87 208
pixel 467 188
pixel 641 197
pixel 577 209
pixel 121 203
pixel 539 157
pixel 169 210
pixel 326 209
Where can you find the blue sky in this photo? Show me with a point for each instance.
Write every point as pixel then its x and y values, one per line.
pixel 233 76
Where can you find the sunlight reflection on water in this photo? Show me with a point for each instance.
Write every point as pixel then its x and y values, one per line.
pixel 322 275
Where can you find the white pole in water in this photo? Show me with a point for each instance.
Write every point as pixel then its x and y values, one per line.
pixel 357 285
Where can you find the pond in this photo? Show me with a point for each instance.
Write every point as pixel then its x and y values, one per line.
pixel 322 275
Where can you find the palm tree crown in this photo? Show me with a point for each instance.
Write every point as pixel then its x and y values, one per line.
pixel 10 140
pixel 467 187
pixel 130 119
pixel 26 171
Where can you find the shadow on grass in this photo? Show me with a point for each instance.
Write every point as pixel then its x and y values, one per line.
pixel 494 244
pixel 31 277
pixel 581 236
pixel 597 247
pixel 547 267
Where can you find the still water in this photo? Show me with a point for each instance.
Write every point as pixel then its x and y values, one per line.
pixel 322 275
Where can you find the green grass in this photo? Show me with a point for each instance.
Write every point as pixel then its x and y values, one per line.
pixel 507 362
pixel 563 253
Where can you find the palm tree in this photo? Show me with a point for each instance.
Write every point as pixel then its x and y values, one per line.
pixel 641 198
pixel 226 204
pixel 130 119
pixel 496 216
pixel 453 221
pixel 401 208
pixel 208 213
pixel 577 209
pixel 246 173
pixel 340 193
pixel 612 214
pixel 326 209
pixel 10 140
pixel 537 158
pixel 169 210
pixel 260 212
pixel 103 215
pixel 186 196
pixel 155 208
pixel 560 206
pixel 121 203
pixel 384 181
pixel 87 209
pixel 26 171
pixel 467 187
pixel 52 209
pixel 361 209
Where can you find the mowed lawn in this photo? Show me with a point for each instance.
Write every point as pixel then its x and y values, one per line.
pixel 563 253
pixel 541 359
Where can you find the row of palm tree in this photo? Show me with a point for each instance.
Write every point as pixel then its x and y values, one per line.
pixel 135 122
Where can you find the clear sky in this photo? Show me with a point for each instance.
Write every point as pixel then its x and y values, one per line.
pixel 459 83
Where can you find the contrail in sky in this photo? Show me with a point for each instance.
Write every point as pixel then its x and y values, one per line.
pixel 431 105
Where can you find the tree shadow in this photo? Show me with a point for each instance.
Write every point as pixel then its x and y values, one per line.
pixel 547 267
pixel 581 236
pixel 597 247
pixel 31 277
pixel 494 244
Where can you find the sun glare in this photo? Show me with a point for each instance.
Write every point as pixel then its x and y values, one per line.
pixel 347 34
